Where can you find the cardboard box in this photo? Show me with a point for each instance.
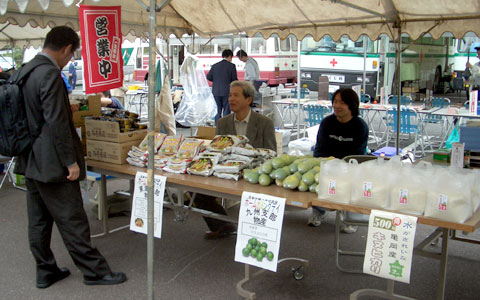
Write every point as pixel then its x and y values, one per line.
pixel 94 110
pixel 410 89
pixel 110 132
pixel 205 133
pixel 115 153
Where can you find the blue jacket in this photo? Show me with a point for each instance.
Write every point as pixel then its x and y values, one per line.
pixel 221 74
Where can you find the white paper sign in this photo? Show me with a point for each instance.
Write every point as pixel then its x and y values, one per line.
pixel 259 230
pixel 382 95
pixel 389 248
pixel 139 217
pixel 473 103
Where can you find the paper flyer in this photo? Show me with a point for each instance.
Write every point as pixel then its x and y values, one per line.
pixel 259 230
pixel 389 249
pixel 139 217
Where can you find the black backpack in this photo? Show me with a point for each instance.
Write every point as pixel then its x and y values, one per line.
pixel 15 137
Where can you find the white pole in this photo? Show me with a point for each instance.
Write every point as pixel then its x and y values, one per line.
pixel 299 87
pixel 364 80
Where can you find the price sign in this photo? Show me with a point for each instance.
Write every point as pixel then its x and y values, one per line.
pixel 389 248
pixel 139 217
pixel 259 230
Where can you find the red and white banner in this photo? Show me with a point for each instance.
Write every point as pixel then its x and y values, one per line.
pixel 100 28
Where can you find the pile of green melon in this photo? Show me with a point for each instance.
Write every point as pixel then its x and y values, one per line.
pixel 291 172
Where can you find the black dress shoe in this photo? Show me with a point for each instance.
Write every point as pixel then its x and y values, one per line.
pixel 52 278
pixel 112 278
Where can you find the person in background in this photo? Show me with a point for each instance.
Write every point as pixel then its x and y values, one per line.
pixel 109 101
pixel 53 167
pixel 221 75
pixel 72 73
pixel 340 134
pixel 252 73
pixel 243 121
pixel 65 81
pixel 474 79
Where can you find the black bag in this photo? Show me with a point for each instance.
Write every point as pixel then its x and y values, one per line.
pixel 15 137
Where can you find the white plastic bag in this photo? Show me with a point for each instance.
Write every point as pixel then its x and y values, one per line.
pixel 449 196
pixel 335 181
pixel 369 184
pixel 198 105
pixel 407 191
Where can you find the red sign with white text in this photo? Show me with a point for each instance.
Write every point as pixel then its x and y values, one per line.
pixel 100 28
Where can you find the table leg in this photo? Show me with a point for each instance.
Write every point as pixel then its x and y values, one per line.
pixel 443 264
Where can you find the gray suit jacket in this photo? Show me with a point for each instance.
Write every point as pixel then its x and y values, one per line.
pixel 260 130
pixel 49 116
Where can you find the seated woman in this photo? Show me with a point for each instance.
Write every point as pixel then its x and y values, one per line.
pixel 109 101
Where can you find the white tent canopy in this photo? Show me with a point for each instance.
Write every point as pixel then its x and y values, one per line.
pixel 283 17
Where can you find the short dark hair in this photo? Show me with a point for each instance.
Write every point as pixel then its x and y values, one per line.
pixel 241 53
pixel 227 53
pixel 107 94
pixel 350 98
pixel 60 37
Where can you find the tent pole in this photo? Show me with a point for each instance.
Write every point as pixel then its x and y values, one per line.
pixel 151 151
pixel 398 63
pixel 299 86
pixel 364 79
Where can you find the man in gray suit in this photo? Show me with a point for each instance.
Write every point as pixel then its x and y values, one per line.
pixel 244 121
pixel 53 167
pixel 221 75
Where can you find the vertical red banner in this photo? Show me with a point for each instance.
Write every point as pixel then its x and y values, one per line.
pixel 101 34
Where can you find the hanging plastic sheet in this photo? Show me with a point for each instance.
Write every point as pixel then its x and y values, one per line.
pixel 198 105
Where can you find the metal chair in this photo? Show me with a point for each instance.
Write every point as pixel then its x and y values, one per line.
pixel 436 119
pixel 350 218
pixel 404 100
pixel 366 98
pixel 9 161
pixel 409 124
pixel 314 113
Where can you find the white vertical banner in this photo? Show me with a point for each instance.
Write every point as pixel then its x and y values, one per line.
pixel 389 248
pixel 259 230
pixel 473 103
pixel 139 216
pixel 358 90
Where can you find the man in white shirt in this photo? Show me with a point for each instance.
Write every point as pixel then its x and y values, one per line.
pixel 252 73
pixel 475 70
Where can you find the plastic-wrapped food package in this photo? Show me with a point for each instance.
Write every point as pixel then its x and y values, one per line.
pixel 170 146
pixel 189 148
pixel 449 196
pixel 203 164
pixel 158 141
pixel 224 143
pixel 266 153
pixel 137 153
pixel 230 166
pixel 246 159
pixel 369 184
pixel 244 149
pixel 335 181
pixel 198 105
pixel 137 162
pixel 177 165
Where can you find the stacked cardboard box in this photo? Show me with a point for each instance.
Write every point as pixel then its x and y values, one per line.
pixel 94 108
pixel 106 143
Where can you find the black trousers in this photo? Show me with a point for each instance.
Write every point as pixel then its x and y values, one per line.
pixel 60 203
pixel 210 203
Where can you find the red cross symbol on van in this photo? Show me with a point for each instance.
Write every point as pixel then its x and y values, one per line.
pixel 333 62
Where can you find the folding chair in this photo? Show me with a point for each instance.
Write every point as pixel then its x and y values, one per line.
pixel 314 113
pixel 437 119
pixel 366 98
pixel 10 162
pixel 349 218
pixel 404 100
pixel 409 124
